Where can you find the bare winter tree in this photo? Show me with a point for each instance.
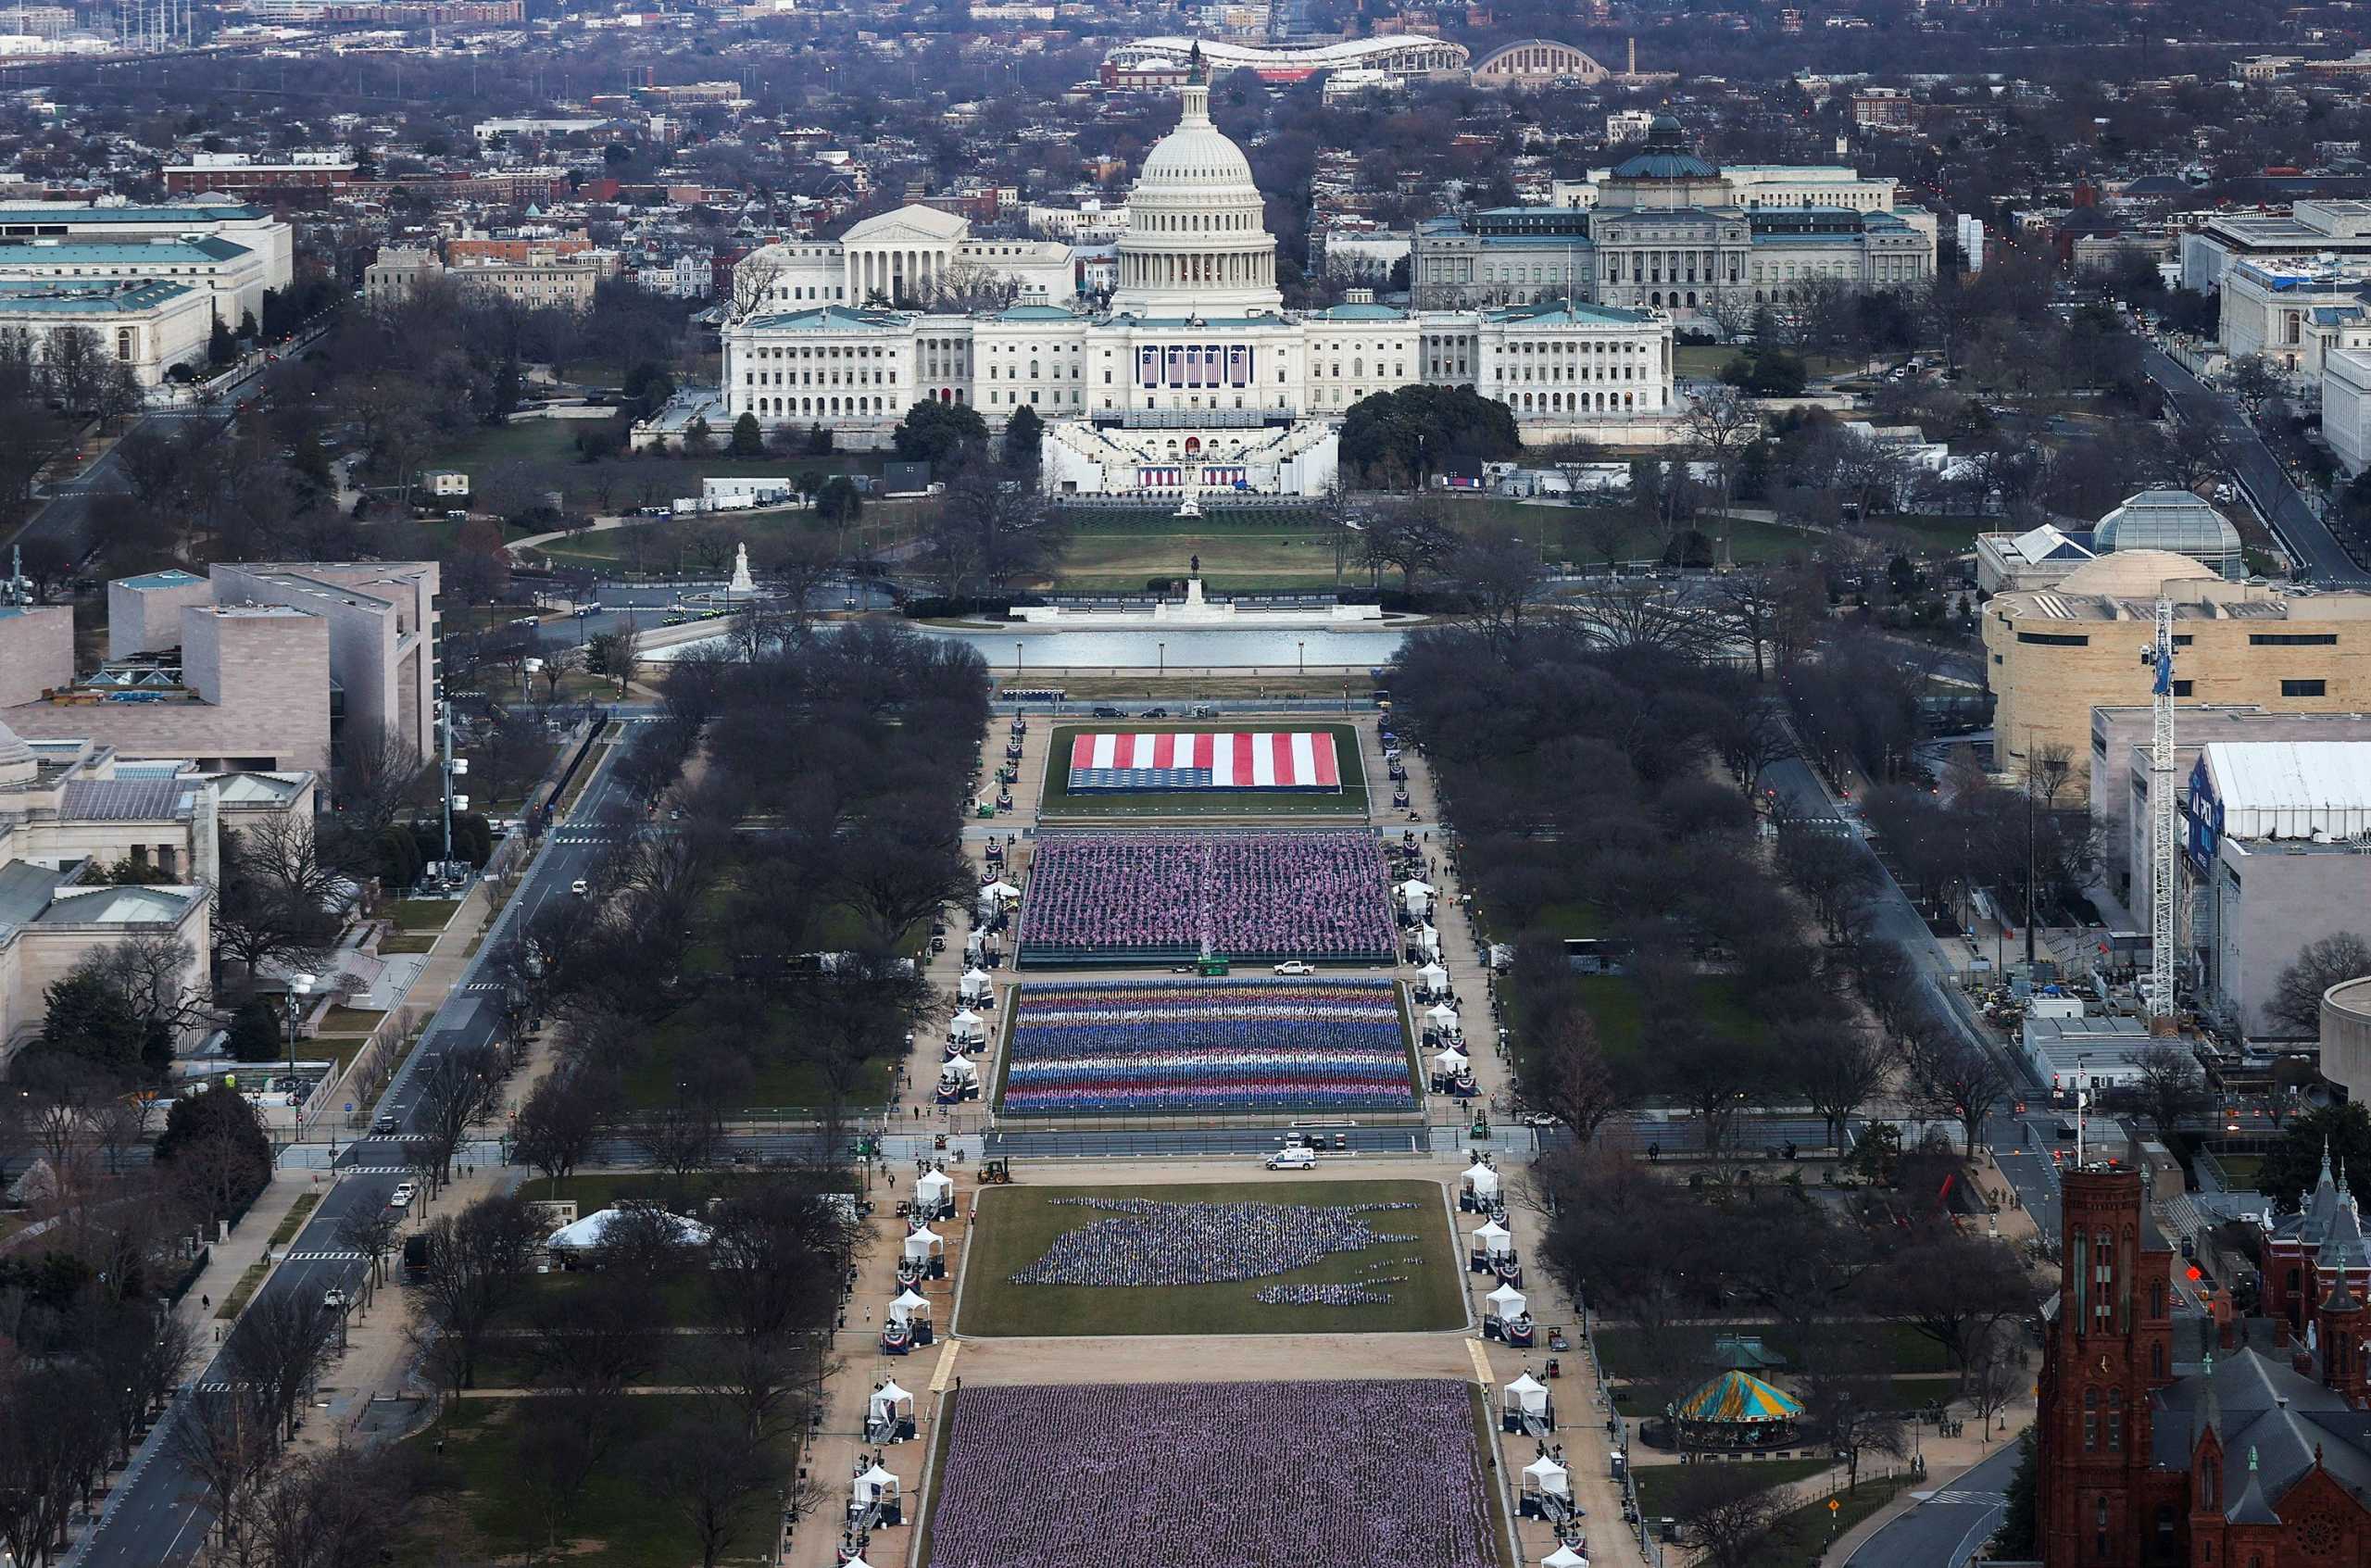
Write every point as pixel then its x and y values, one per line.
pixel 226 1437
pixel 2048 773
pixel 2320 964
pixel 277 1349
pixel 477 1266
pixel 1954 1075
pixel 753 277
pixel 459 1086
pixel 1729 1512
pixel 1622 613
pixel 1996 1372
pixel 1720 423
pixel 2170 1087
pixel 1569 1077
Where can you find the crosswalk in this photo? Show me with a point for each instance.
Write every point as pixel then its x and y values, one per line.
pixel 1985 1499
pixel 376 1170
pixel 332 1256
pixel 579 836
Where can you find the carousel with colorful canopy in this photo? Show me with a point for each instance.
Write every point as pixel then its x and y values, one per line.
pixel 1737 1409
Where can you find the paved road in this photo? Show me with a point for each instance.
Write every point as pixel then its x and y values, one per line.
pixel 1945 1529
pixel 151 1519
pixel 2323 558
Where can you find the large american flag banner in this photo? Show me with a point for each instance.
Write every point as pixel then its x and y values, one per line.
pixel 1247 759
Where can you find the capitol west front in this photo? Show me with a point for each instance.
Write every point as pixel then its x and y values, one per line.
pixel 1195 377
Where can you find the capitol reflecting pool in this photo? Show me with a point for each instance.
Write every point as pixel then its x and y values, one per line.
pixel 1183 651
pixel 1194 648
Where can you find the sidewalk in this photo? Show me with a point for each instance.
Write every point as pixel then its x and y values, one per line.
pixel 230 1259
pixel 1947 1461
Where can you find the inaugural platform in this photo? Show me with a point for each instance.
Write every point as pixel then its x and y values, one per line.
pixel 1256 759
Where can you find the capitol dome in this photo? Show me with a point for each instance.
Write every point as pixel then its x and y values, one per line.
pixel 1198 243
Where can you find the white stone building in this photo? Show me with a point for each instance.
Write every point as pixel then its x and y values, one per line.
pixel 914 257
pixel 2293 314
pixel 1195 357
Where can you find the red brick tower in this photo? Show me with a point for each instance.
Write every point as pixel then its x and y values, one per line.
pixel 2109 1344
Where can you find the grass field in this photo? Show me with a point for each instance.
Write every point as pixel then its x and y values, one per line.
pixel 1257 553
pixel 1055 799
pixel 1661 1486
pixel 1017 1224
pixel 781 1079
pixel 675 544
pixel 1905 1348
pixel 422 914
pixel 1616 1006
pixel 478 1507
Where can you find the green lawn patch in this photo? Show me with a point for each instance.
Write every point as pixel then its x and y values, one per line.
pixel 1905 1352
pixel 1017 1224
pixel 294 1221
pixel 422 914
pixel 1616 1006
pixel 249 1283
pixel 408 942
pixel 1266 554
pixel 1661 1486
pixel 480 1510
pixel 781 1080
pixel 1056 800
pixel 350 1021
pixel 682 1303
pixel 1807 1531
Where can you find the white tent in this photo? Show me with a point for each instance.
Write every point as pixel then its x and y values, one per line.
pixel 1451 1061
pixel 1525 1393
pixel 856 1562
pixel 1494 1239
pixel 878 1483
pixel 1434 979
pixel 966 1025
pixel 909 1306
pixel 587 1232
pixel 975 985
pixel 923 1243
pixel 999 890
pixel 889 1402
pixel 1481 1181
pixel 934 1187
pixel 1428 942
pixel 1442 1017
pixel 1545 1474
pixel 1505 1302
pixel 1417 897
pixel 962 1068
pixel 1563 1557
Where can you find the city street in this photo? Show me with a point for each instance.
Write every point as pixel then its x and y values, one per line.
pixel 2322 559
pixel 1949 1526
pixel 150 1518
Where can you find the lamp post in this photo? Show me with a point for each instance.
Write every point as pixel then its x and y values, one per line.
pixel 299 986
pixel 1300 649
pixel 1016 656
pixel 1162 652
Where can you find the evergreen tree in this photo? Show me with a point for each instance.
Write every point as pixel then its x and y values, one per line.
pixel 90 1020
pixel 2019 1536
pixel 1023 433
pixel 697 438
pixel 748 440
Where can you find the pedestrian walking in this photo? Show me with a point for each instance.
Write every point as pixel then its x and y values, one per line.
pixel 205 1303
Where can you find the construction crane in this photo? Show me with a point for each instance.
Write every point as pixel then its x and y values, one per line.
pixel 2158 1002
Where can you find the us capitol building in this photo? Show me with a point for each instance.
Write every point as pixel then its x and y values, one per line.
pixel 1195 377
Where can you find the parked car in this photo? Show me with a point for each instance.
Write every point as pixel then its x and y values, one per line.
pixel 1154 713
pixel 1295 966
pixel 1108 713
pixel 1297 1158
pixel 333 1299
pixel 1203 710
pixel 403 1195
pixel 386 1125
pixel 580 888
